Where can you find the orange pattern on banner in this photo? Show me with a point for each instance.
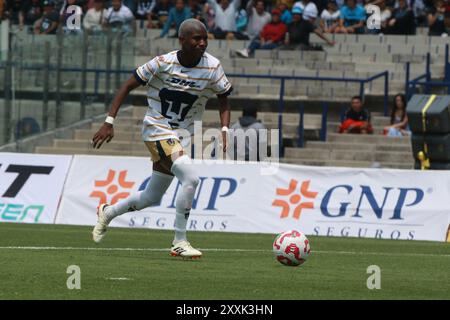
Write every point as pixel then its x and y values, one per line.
pixel 112 189
pixel 295 199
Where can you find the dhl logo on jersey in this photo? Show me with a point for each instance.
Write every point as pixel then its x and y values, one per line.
pixel 183 82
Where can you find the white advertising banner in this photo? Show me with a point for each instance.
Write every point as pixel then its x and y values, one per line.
pixel 370 203
pixel 31 186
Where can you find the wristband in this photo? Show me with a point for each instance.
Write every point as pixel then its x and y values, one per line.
pixel 224 129
pixel 109 120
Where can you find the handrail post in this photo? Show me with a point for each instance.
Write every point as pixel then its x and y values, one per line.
pixel 447 67
pixel 361 89
pixel 428 73
pixel 323 130
pixel 280 116
pixel 407 76
pixel 386 93
pixel 301 126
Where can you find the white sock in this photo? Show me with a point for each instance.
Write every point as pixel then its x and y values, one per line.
pixel 184 172
pixel 150 196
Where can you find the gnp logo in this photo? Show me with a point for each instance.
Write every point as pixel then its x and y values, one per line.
pixel 17 212
pixel 209 190
pixel 344 195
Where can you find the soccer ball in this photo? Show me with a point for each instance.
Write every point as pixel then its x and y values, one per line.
pixel 291 248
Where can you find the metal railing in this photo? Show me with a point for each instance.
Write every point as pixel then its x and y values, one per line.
pixel 425 79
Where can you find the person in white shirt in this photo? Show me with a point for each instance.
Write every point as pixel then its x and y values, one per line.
pixel 258 18
pixel 329 18
pixel 119 17
pixel 93 19
pixel 225 18
pixel 179 85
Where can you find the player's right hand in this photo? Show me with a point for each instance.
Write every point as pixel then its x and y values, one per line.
pixel 106 133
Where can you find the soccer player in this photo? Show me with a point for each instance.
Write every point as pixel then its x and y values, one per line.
pixel 180 83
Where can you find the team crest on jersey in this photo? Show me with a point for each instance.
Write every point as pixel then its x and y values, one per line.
pixel 183 82
pixel 171 142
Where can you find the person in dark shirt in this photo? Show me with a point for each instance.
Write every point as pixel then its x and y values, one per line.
pixel 436 19
pixel 160 13
pixel 49 21
pixel 402 20
pixel 299 30
pixel 357 118
pixel 32 11
pixel 13 12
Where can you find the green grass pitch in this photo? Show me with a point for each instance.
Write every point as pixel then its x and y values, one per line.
pixel 234 266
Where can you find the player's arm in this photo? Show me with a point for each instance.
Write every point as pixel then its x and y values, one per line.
pixel 224 112
pixel 106 132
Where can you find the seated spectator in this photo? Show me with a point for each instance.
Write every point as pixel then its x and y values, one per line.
pixel 225 18
pixel 177 15
pixel 68 10
pixel 13 11
pixel 92 21
pixel 271 36
pixel 329 18
pixel 241 21
pixel 399 119
pixel 257 18
pixel 49 22
pixel 250 150
pixel 119 18
pixel 436 19
pixel 286 15
pixel 352 18
pixel 32 11
pixel 196 10
pixel 210 17
pixel 402 20
pixel 299 30
pixel 160 13
pixel 144 8
pixel 357 118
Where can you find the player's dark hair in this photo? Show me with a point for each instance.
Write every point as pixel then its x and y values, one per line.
pixel 357 98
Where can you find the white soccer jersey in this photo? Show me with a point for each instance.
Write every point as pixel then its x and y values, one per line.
pixel 177 95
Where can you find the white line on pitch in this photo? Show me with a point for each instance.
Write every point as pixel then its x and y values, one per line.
pixel 119 279
pixel 225 250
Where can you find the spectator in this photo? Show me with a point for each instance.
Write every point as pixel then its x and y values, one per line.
pixel 299 30
pixel 402 20
pixel 250 151
pixel 436 19
pixel 258 18
pixel 352 18
pixel 210 17
pixel 119 18
pixel 160 13
pixel 2 8
pixel 271 36
pixel 286 15
pixel 176 16
pixel 13 12
pixel 357 118
pixel 329 18
pixel 241 21
pixel 49 21
pixel 399 119
pixel 225 18
pixel 144 8
pixel 92 22
pixel 67 12
pixel 196 10
pixel 32 12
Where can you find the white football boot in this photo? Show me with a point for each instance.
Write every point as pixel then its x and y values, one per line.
pixel 185 250
pixel 99 231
